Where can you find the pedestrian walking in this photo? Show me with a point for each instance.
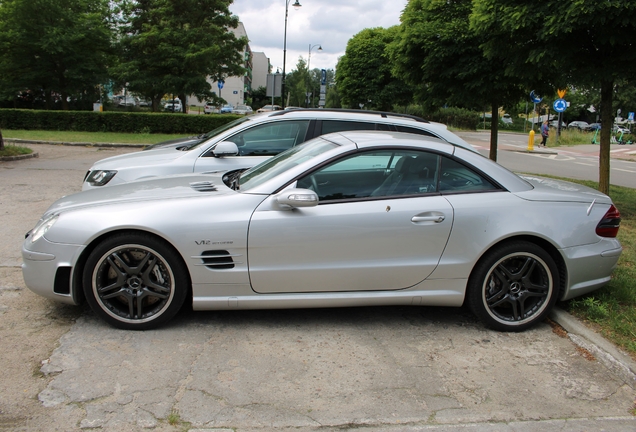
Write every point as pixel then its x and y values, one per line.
pixel 544 133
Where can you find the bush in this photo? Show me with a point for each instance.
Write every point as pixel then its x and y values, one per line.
pixel 127 122
pixel 454 117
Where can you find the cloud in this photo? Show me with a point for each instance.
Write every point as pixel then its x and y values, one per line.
pixel 330 23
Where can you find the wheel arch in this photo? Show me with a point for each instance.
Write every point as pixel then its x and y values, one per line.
pixel 543 244
pixel 78 270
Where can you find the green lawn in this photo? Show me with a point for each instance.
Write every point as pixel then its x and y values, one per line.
pixel 90 137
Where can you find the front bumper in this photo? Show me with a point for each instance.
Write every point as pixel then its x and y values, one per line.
pixel 42 268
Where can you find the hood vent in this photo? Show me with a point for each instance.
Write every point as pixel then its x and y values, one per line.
pixel 216 259
pixel 203 186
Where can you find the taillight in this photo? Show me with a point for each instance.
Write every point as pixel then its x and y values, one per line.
pixel 608 226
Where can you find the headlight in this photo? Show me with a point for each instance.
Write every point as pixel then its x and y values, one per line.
pixel 43 226
pixel 100 177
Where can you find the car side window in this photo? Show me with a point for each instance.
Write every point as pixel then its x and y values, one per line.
pixel 375 174
pixel 329 126
pixel 456 177
pixel 270 139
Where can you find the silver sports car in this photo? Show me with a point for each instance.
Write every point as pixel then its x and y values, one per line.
pixel 346 219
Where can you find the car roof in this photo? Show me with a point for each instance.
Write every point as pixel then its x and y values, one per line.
pixel 368 116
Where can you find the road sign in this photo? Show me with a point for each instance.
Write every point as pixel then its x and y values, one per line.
pixel 630 116
pixel 220 84
pixel 561 93
pixel 560 105
pixel 323 76
pixel 535 98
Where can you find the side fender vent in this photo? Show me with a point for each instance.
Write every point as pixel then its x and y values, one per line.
pixel 203 186
pixel 217 259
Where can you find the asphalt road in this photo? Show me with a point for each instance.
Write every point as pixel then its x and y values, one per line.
pixel 578 162
pixel 377 369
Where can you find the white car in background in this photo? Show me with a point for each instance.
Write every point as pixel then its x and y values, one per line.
pixel 256 137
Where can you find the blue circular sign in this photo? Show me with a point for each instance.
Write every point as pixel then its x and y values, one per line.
pixel 220 84
pixel 535 98
pixel 560 105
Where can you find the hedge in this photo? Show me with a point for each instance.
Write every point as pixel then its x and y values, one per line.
pixel 128 122
pixel 455 117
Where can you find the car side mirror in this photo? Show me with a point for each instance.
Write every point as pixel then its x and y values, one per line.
pixel 225 148
pixel 296 198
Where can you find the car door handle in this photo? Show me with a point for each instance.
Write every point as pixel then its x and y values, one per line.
pixel 429 218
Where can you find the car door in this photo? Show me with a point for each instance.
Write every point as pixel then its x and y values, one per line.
pixel 385 233
pixel 256 144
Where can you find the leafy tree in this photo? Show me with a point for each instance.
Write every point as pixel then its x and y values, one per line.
pixel 364 73
pixel 296 84
pixel 172 47
pixel 582 43
pixel 60 48
pixel 439 54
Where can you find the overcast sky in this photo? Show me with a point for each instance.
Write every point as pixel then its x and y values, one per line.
pixel 329 23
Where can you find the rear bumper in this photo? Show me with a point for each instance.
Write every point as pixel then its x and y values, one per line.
pixel 590 266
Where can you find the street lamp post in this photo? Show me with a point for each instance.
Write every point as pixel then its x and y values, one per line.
pixel 309 70
pixel 282 87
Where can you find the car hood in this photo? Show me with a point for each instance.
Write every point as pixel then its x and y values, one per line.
pixel 175 142
pixel 157 189
pixel 547 189
pixel 158 156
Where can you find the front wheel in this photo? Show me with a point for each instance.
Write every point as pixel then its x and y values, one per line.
pixel 135 281
pixel 514 286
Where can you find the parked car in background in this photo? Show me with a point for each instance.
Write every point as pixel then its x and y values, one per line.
pixel 268 108
pixel 145 102
pixel 210 108
pixel 227 109
pixel 580 125
pixel 354 218
pixel 555 123
pixel 243 110
pixel 129 101
pixel 173 106
pixel 593 127
pixel 256 137
pixel 506 119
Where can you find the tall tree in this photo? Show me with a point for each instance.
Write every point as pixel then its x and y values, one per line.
pixel 578 42
pixel 438 53
pixel 172 46
pixel 59 47
pixel 364 73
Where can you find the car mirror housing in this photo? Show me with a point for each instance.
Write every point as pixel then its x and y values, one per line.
pixel 296 198
pixel 225 148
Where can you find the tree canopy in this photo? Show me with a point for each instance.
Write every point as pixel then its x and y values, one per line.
pixel 363 74
pixel 579 43
pixel 438 53
pixel 54 49
pixel 172 47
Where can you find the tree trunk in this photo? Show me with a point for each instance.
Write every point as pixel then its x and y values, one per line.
pixel 494 130
pixel 184 107
pixel 607 92
pixel 1 141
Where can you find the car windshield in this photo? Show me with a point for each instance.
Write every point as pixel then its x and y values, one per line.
pixel 217 131
pixel 282 162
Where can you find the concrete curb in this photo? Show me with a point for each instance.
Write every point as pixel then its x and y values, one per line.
pixel 16 141
pixel 620 364
pixel 18 157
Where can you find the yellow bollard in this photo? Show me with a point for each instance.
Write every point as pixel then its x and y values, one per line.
pixel 531 141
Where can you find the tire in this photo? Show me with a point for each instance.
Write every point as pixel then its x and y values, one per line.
pixel 135 281
pixel 513 287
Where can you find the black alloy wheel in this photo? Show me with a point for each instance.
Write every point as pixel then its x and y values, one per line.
pixel 135 281
pixel 514 286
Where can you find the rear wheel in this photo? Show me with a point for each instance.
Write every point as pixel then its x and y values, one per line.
pixel 135 281
pixel 514 286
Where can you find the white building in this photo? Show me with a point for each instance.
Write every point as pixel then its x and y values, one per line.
pixel 236 89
